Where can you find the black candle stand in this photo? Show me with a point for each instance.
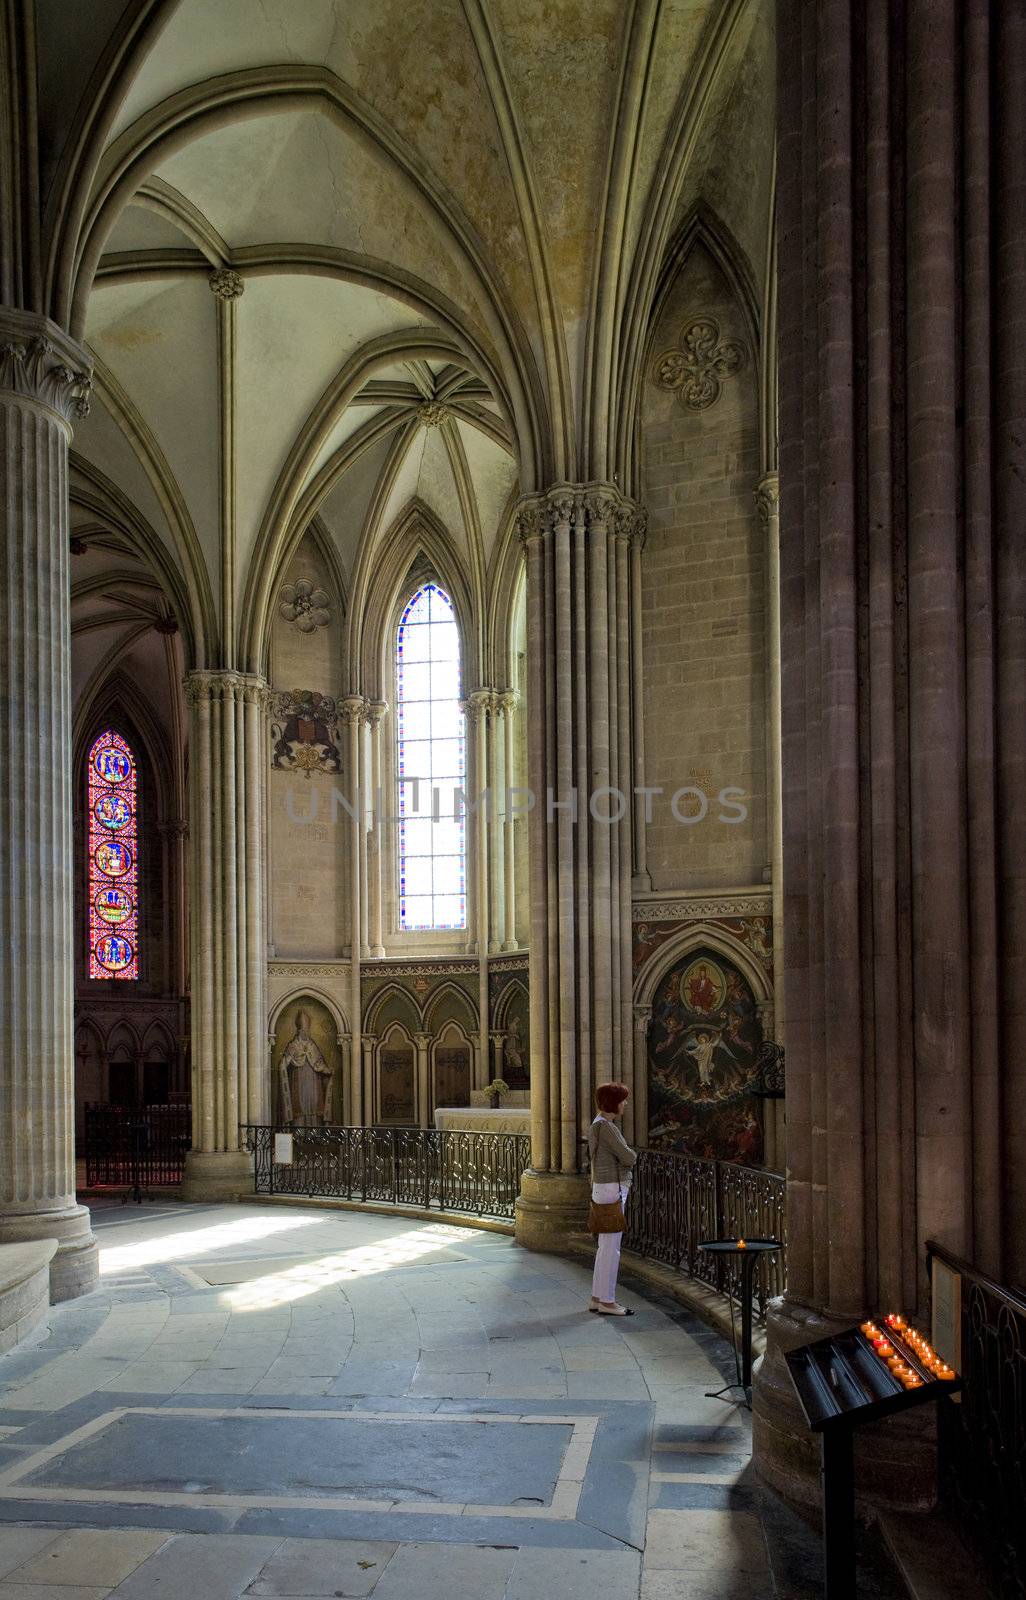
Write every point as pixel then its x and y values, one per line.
pixel 749 1252
pixel 843 1382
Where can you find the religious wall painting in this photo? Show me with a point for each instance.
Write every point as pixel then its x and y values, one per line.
pixel 304 732
pixel 307 1065
pixel 512 1057
pixel 755 932
pixel 397 1097
pixel 704 1041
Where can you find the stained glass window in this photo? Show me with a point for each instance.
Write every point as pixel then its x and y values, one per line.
pixel 431 765
pixel 113 847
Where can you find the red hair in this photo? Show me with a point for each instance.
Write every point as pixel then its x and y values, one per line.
pixel 611 1096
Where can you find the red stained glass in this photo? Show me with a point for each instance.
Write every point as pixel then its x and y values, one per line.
pixel 113 824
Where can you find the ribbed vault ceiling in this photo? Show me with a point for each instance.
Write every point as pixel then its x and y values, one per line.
pixel 448 215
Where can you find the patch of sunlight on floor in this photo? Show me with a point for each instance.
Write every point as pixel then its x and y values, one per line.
pixel 310 1277
pixel 120 1258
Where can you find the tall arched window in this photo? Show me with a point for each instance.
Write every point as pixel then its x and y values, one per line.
pixel 431 764
pixel 112 828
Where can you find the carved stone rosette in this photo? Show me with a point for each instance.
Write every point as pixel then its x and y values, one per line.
pixel 226 283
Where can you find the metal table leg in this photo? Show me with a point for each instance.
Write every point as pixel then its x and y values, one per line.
pixel 837 1472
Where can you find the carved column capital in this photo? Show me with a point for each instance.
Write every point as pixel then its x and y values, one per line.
pixel 245 686
pixel 375 711
pixel 506 700
pixel 767 497
pixel 479 704
pixel 353 709
pixel 39 362
pixel 533 517
pixel 602 504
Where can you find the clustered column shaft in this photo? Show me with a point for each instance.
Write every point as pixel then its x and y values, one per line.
pixel 227 748
pixel 902 249
pixel 580 770
pixel 43 384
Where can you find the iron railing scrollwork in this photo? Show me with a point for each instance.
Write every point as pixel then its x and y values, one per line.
pixel 144 1148
pixel 982 1439
pixel 769 1071
pixel 475 1173
pixel 676 1201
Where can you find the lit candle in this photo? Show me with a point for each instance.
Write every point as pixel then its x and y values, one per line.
pixel 943 1371
pixel 883 1348
pixel 912 1381
pixel 741 1245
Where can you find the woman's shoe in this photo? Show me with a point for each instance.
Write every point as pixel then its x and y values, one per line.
pixel 613 1310
pixel 593 1303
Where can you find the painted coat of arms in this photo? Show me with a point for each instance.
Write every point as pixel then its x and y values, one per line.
pixel 304 731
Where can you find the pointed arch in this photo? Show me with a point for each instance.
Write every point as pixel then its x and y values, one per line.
pixel 393 991
pixel 702 226
pixel 449 991
pixel 308 991
pixel 381 589
pixel 706 936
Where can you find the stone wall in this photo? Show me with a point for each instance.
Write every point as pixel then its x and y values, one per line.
pixel 308 839
pixel 703 597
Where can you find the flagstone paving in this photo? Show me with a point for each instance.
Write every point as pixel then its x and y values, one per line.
pixel 310 1403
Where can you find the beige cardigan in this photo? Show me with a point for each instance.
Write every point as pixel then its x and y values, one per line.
pixel 611 1156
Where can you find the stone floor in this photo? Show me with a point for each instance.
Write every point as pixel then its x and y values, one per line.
pixel 300 1402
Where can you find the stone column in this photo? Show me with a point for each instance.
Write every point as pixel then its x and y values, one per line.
pixel 44 381
pixel 175 833
pixel 578 600
pixel 508 703
pixel 477 708
pixel 423 1044
pixel 368 1093
pixel 345 1110
pixel 767 499
pixel 353 709
pixel 227 752
pixel 375 711
pixel 642 1015
pixel 902 243
pixel 496 887
pixel 641 880
pixel 498 1039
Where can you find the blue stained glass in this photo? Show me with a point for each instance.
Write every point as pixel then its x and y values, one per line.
pixel 431 758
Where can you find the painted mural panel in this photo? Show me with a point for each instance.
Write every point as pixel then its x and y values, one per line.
pixel 452 1075
pixel 397 1088
pixel 307 1065
pixel 704 1041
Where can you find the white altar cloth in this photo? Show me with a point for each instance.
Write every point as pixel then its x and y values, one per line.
pixel 483 1119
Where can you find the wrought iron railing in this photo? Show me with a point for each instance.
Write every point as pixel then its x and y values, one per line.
pixel 475 1173
pixel 982 1439
pixel 143 1149
pixel 677 1201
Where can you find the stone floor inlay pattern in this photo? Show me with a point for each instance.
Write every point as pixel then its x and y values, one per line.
pixel 310 1403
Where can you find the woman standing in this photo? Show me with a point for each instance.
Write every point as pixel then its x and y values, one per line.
pixel 612 1161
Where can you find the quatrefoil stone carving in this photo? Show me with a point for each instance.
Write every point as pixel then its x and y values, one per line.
pixel 696 368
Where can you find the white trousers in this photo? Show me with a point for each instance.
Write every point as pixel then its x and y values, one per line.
pixel 607 1255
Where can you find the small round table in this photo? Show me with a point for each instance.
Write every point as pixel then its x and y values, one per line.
pixel 749 1252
